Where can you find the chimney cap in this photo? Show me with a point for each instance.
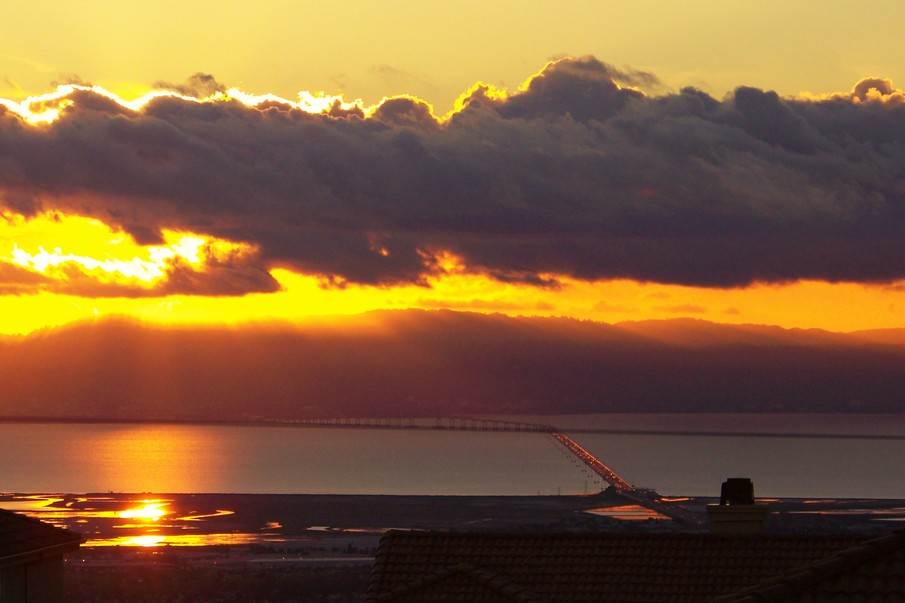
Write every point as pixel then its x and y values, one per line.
pixel 737 491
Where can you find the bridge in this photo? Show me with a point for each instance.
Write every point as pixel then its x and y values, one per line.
pixel 457 423
pixel 646 498
pixel 609 476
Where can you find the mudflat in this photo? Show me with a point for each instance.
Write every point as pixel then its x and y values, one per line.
pixel 111 518
pixel 290 520
pixel 321 547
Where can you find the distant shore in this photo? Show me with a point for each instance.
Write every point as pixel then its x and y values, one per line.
pixel 405 424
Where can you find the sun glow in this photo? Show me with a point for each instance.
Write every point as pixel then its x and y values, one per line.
pixel 86 249
pixel 53 263
pixel 64 262
pixel 187 540
pixel 316 102
pixel 47 108
pixel 90 248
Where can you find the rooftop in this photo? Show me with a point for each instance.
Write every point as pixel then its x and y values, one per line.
pixel 22 538
pixel 576 568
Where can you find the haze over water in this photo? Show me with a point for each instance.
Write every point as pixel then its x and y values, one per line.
pixel 260 460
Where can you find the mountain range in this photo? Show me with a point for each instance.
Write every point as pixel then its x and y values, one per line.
pixel 442 363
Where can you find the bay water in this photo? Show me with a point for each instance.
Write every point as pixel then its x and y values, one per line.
pixel 799 456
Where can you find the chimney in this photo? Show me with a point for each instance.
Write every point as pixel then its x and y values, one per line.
pixel 737 512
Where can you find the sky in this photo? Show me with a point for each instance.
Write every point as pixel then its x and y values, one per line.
pixel 223 163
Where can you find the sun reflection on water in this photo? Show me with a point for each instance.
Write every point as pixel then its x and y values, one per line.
pixel 146 540
pixel 30 503
pixel 152 510
pixel 152 540
pixel 155 458
pixel 132 520
pixel 627 513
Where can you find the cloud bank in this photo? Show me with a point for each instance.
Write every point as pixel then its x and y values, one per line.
pixel 577 174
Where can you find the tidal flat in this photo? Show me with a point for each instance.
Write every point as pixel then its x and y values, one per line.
pixel 288 547
pixel 305 522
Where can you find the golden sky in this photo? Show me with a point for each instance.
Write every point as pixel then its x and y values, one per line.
pixel 86 233
pixel 805 304
pixel 437 50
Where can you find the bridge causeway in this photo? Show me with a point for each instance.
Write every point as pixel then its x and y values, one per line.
pixel 609 476
pixel 456 423
pixel 646 498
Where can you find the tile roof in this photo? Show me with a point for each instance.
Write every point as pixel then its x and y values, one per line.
pixel 619 568
pixel 22 537
pixel 871 571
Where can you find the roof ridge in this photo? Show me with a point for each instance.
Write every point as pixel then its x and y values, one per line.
pixel 33 520
pixel 798 579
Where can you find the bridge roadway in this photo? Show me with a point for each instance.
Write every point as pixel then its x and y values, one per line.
pixel 646 498
pixel 450 423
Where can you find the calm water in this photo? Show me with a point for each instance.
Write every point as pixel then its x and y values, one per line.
pixel 38 457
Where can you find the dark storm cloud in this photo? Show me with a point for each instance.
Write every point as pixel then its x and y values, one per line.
pixel 404 111
pixel 583 88
pixel 577 175
pixel 219 277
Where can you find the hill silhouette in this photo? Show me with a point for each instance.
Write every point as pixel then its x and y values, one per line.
pixel 420 363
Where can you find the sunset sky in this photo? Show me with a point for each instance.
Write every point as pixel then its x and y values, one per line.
pixel 225 162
